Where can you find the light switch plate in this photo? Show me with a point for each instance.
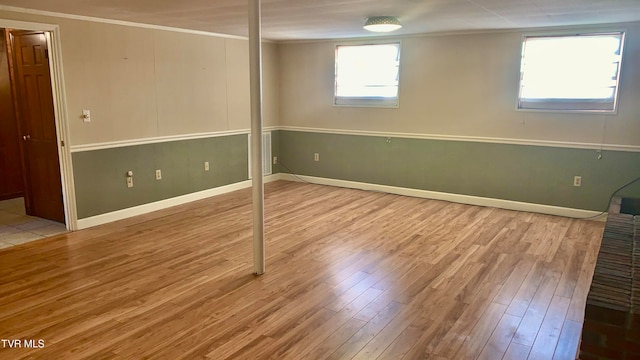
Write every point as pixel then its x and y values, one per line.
pixel 86 116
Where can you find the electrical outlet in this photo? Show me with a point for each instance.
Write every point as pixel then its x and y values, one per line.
pixel 275 160
pixel 316 157
pixel 206 166
pixel 158 174
pixel 577 181
pixel 129 181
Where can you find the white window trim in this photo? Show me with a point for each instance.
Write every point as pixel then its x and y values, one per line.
pixel 368 102
pixel 560 33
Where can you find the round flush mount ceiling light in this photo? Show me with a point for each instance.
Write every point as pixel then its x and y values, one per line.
pixel 382 24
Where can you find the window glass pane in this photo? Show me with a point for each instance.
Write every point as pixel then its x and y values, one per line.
pixel 367 71
pixel 578 68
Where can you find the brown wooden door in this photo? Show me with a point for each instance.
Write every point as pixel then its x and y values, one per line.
pixel 43 195
pixel 11 181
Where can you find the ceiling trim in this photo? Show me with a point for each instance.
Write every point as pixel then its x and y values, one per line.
pixel 583 27
pixel 117 22
pixel 564 29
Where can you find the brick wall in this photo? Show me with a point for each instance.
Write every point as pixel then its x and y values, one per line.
pixel 611 328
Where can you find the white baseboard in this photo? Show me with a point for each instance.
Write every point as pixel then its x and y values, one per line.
pixel 166 203
pixel 463 199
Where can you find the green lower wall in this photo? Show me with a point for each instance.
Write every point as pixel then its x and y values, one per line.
pixel 100 175
pixel 534 174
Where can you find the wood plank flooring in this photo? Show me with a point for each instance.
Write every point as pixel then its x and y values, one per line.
pixel 350 275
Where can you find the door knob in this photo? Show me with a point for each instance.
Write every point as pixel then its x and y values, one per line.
pixel 26 137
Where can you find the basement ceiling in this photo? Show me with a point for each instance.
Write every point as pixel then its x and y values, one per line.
pixel 325 19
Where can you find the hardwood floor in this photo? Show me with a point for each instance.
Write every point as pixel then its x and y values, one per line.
pixel 350 275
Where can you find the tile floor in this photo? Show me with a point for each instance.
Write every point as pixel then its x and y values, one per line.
pixel 17 228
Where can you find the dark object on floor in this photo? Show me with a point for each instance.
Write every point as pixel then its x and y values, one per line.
pixel 630 206
pixel 612 316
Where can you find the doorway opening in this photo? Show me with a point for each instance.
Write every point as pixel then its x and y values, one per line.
pixel 18 228
pixel 31 188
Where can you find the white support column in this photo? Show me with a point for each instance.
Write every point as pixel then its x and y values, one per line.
pixel 255 75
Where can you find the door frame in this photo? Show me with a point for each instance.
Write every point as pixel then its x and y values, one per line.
pixel 52 34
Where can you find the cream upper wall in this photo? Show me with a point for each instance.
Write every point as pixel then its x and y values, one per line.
pixel 143 83
pixel 459 85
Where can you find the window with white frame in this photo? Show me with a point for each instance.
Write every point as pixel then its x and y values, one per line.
pixel 571 72
pixel 367 75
